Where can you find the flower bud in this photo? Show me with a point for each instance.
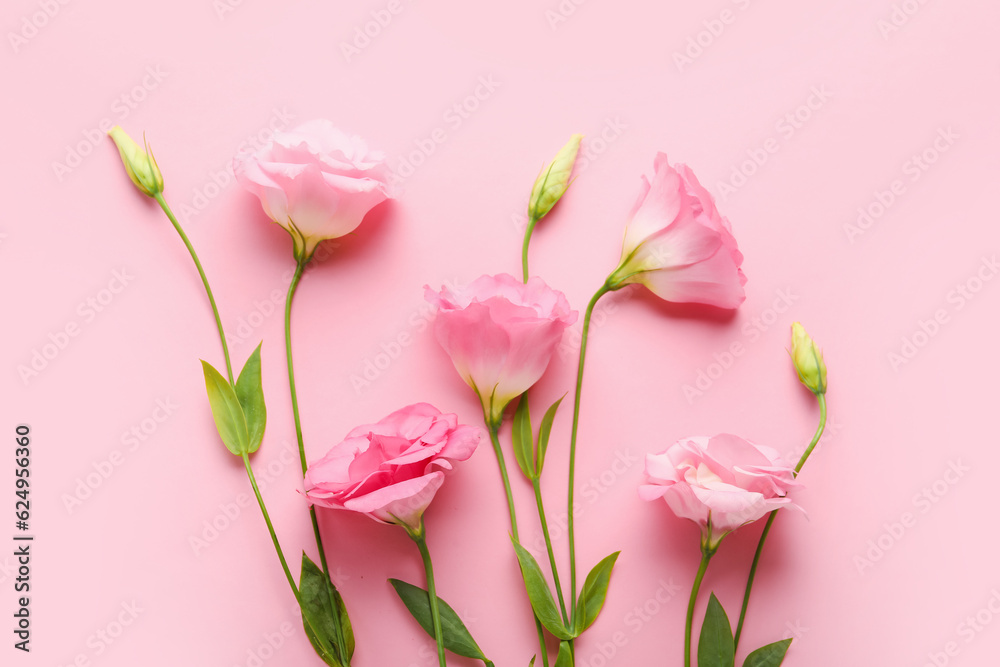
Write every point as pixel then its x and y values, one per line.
pixel 552 183
pixel 808 360
pixel 139 163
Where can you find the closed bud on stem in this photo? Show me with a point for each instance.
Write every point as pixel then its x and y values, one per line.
pixel 553 182
pixel 808 360
pixel 139 162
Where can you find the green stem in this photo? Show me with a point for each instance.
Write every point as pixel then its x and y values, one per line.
pixel 421 540
pixel 821 398
pixel 306 617
pixel 570 530
pixel 296 278
pixel 535 482
pixel 494 429
pixel 706 556
pixel 270 529
pixel 541 643
pixel 299 267
pixel 201 272
pixel 532 221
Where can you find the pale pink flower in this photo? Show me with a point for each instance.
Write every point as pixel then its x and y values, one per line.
pixel 720 482
pixel 678 245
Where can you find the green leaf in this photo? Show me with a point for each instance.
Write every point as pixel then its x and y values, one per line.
pixel 595 590
pixel 229 418
pixel 315 591
pixel 715 646
pixel 250 393
pixel 457 637
pixel 539 594
pixel 771 655
pixel 565 657
pixel 523 438
pixel 543 435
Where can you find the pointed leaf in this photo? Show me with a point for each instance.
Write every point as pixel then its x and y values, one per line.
pixel 565 657
pixel 595 590
pixel 715 646
pixel 522 437
pixel 539 594
pixel 771 655
pixel 543 435
pixel 315 591
pixel 457 637
pixel 250 393
pixel 226 410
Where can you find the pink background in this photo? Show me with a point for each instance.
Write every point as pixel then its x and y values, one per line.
pixel 851 582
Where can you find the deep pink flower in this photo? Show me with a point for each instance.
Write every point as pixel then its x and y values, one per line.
pixel 391 470
pixel 678 245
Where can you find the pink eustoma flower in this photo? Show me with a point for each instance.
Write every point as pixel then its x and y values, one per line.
pixel 391 470
pixel 500 334
pixel 678 245
pixel 316 181
pixel 720 483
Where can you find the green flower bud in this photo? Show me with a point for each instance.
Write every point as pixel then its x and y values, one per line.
pixel 139 163
pixel 808 360
pixel 552 183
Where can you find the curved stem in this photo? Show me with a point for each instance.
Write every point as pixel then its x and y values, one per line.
pixel 532 221
pixel 548 546
pixel 421 540
pixel 494 429
pixel 296 278
pixel 201 272
pixel 821 399
pixel 570 531
pixel 770 520
pixel 299 267
pixel 706 556
pixel 270 528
